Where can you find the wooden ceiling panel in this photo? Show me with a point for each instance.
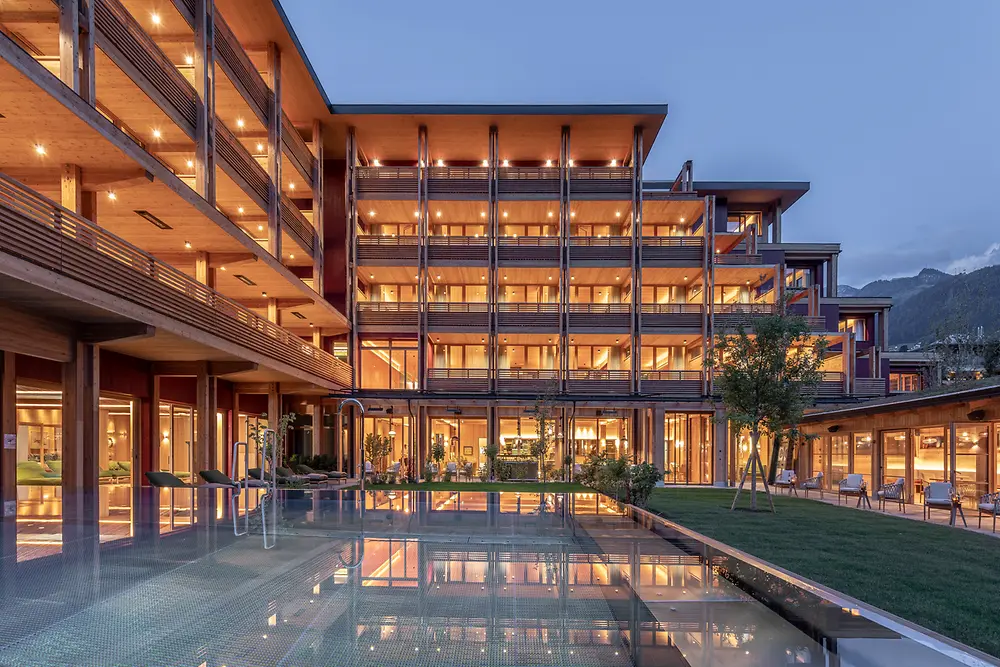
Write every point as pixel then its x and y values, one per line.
pixel 672 212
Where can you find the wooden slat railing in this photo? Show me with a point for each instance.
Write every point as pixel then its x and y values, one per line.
pixel 296 147
pixel 458 249
pixel 528 173
pixel 672 308
pixel 121 37
pixel 297 224
pixel 670 376
pixel 458 379
pixel 532 308
pixel 388 249
pixel 240 69
pixel 601 308
pixel 737 259
pixel 459 173
pixel 39 231
pixel 600 173
pixel 600 241
pixel 240 165
pixel 870 387
pixel 674 241
pixel 405 173
pixel 745 308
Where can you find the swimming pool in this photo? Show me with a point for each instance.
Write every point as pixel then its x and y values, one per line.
pixel 434 578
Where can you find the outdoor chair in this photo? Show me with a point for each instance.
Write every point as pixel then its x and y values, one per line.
pixel 165 480
pixel 942 495
pixel 332 475
pixel 220 480
pixel 989 504
pixel 854 485
pixel 786 480
pixel 893 493
pixel 451 468
pixel 814 483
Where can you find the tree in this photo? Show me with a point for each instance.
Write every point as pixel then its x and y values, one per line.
pixel 991 356
pixel 377 447
pixel 766 380
pixel 545 428
pixel 257 435
pixel 492 451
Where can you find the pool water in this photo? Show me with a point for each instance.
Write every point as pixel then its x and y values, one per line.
pixel 439 578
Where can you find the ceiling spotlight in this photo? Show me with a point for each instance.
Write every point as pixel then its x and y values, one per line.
pixel 571 163
pixel 264 294
pixel 682 219
pixel 506 163
pixel 291 256
pixel 618 214
pixel 439 214
pixel 239 209
pixel 156 134
pixel 291 186
pixel 550 214
pixel 376 163
pixel 440 162
pixel 240 122
pixel 187 244
pixel 222 268
pixel 548 163
pixel 189 60
pixel 190 164
pixel 614 163
pixel 482 214
pixel 39 149
pixel 505 214
pixel 486 163
pixel 260 228
pixel 371 214
pixel 112 196
pixel 260 148
pixel 572 214
pixel 416 214
pixel 155 18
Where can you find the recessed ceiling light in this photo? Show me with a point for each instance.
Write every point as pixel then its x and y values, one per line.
pixel 618 214
pixel 439 214
pixel 112 196
pixel 260 148
pixel 482 214
pixel 416 214
pixel 682 219
pixel 291 186
pixel 573 214
pixel 376 163
pixel 440 163
pixel 187 244
pixel 371 214
pixel 299 315
pixel 153 219
pixel 190 164
pixel 264 294
pixel 505 214
pixel 240 122
pixel 506 163
pixel 157 134
pixel 260 228
pixel 371 276
pixel 155 18
pixel 243 279
pixel 291 256
pixel 550 214
pixel 39 149
pixel 189 60
pixel 222 268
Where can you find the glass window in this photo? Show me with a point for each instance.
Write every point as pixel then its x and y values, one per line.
pixel 856 325
pixel 930 462
pixel 863 456
pixel 464 442
pixel 820 451
pixel 972 460
pixel 839 458
pixel 388 365
pixel 893 456
pixel 905 382
pixel 687 445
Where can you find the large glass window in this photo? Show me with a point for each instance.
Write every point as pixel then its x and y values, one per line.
pixel 893 456
pixel 601 435
pixel 528 357
pixel 459 356
pixel 840 457
pixel 176 451
pixel 738 221
pixel 388 364
pixel 819 453
pixel 464 441
pixel 687 445
pixel 905 382
pixel 863 446
pixel 856 325
pixel 972 460
pixel 930 463
pixel 397 429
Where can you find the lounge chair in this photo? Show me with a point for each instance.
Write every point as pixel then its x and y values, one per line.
pixel 33 473
pixel 786 480
pixel 893 493
pixel 332 475
pixel 814 483
pixel 854 485
pixel 989 505
pixel 942 496
pixel 218 480
pixel 286 475
pixel 166 480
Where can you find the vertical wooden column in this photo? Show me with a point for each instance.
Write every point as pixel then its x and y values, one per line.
pixel 658 440
pixel 203 271
pixel 952 453
pixel 273 315
pixel 8 459
pixel 350 239
pixel 317 428
pixel 71 187
pixel 565 215
pixel 636 257
pixel 720 447
pixel 81 440
pixel 206 403
pixel 708 291
pixel 274 151
pixel 273 404
pixel 69 43
pixel 319 258
pixel 423 231
pixel 204 83
pixel 492 234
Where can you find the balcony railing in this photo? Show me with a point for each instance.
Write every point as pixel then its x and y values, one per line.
pixel 293 143
pixel 240 166
pixel 458 316
pixel 528 316
pixel 458 249
pixel 131 48
pixel 870 387
pixel 674 383
pixel 733 315
pixel 388 250
pixel 296 224
pixel 527 380
pixel 237 65
pixel 528 250
pixel 673 251
pixel 688 316
pixel 602 249
pixel 600 315
pixel 599 381
pixel 458 182
pixel 388 314
pixel 386 182
pixel 600 182
pixel 738 259
pixel 831 386
pixel 458 379
pixel 39 231
pixel 528 182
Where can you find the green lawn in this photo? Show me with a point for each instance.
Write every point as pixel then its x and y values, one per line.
pixel 942 578
pixel 524 487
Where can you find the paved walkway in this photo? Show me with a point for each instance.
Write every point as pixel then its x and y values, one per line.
pixel 914 512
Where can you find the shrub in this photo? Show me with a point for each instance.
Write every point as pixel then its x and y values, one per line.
pixel 447 475
pixel 645 476
pixel 620 480
pixel 502 470
pixel 428 472
pixel 484 473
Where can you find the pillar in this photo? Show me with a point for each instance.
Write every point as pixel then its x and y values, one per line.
pixel 204 83
pixel 720 447
pixel 776 229
pixel 658 441
pixel 69 43
pixel 274 151
pixel 317 428
pixel 8 457
pixel 71 186
pixel 206 397
pixel 317 208
pixel 81 440
pixel 952 453
pixel 272 311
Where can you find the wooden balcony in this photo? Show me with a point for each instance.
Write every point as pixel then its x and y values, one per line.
pixel 672 383
pixel 239 165
pixel 680 251
pixel 388 250
pixel 458 250
pixel 386 182
pixel 39 231
pixel 458 379
pixel 529 251
pixel 388 315
pixel 831 386
pixel 599 382
pixel 462 183
pixel 871 387
pixel 600 182
pixel 458 316
pixel 295 148
pixel 528 317
pixel 238 67
pixel 524 380
pixel 297 226
pixel 600 316
pixel 738 259
pixel 734 315
pixel 671 317
pixel 600 250
pixel 528 183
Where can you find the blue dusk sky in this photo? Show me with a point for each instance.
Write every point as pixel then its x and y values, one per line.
pixel 890 108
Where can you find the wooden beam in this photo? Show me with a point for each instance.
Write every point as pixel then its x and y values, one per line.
pixel 274 151
pixel 216 260
pixel 218 368
pixel 279 304
pixel 317 428
pixel 194 368
pixel 88 53
pixel 251 387
pixel 205 435
pixel 29 17
pixel 81 441
pixel 99 182
pixel 203 271
pixel 35 336
pixel 69 44
pixel 71 185
pixel 106 333
pixel 204 79
pixel 273 314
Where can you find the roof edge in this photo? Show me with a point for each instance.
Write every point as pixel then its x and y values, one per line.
pixel 302 52
pixel 500 109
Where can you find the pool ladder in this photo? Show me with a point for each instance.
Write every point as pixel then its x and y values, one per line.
pixel 268 475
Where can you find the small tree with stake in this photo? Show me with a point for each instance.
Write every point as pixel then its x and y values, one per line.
pixel 767 379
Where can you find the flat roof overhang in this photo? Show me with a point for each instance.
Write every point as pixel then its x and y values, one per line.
pixel 755 193
pixel 903 403
pixel 600 132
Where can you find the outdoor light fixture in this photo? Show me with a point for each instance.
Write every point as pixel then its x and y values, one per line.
pixel 506 163
pixel 155 18
pixel 239 209
pixel 243 279
pixel 187 244
pixel 260 148
pixel 486 163
pixel 571 163
pixel 240 122
pixel 189 60
pixel 548 163
pixel 440 163
pixel 260 228
pixel 376 163
pixel 112 196
pixel 614 163
pixel 190 164
pixel 264 294
pixel 157 134
pixel 39 149
pixel 153 219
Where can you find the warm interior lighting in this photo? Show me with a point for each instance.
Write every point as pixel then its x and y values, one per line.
pixel 486 163
pixel 550 214
pixel 618 214
pixel 190 164
pixel 240 122
pixel 571 163
pixel 112 196
pixel 189 60
pixel 260 228
pixel 572 214
pixel 440 162
pixel 264 294
pixel 291 186
pixel 239 209
pixel 291 256
pixel 371 214
pixel 39 149
pixel 682 219
pixel 371 276
pixel 416 214
pixel 618 277
pixel 187 244
pixel 614 163
pixel 505 214
pixel 222 268
pixel 548 163
pixel 155 18
pixel 506 163
pixel 572 277
pixel 483 214
pixel 376 163
pixel 685 277
pixel 260 148
pixel 157 134
pixel 439 214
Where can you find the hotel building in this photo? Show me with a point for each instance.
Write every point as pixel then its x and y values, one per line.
pixel 191 235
